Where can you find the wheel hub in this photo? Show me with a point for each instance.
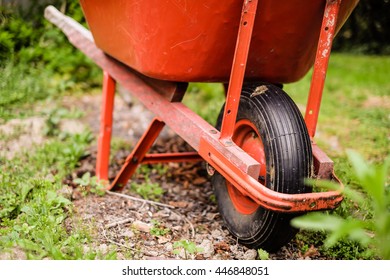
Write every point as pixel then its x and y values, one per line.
pixel 247 138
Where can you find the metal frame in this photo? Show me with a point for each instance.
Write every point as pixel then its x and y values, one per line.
pixel 107 108
pixel 327 33
pixel 164 99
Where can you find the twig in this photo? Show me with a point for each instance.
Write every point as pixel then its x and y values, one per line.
pixel 188 221
pixel 127 247
pixel 140 199
pixel 125 221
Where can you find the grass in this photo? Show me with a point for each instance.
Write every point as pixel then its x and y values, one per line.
pixel 205 99
pixel 32 209
pixel 355 105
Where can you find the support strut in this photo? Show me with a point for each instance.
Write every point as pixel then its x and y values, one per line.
pixel 327 33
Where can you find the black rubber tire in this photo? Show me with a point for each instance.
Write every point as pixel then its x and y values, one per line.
pixel 288 157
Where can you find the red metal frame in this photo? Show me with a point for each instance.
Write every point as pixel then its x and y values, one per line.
pixel 138 154
pixel 106 115
pixel 238 69
pixel 327 33
pixel 163 98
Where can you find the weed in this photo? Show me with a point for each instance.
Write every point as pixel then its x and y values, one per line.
pixel 160 169
pixel 90 184
pixel 371 232
pixel 158 229
pixel 148 190
pixel 213 198
pixel 188 247
pixel 262 254
pixel 32 212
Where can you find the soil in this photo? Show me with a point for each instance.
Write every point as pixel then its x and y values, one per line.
pixel 142 229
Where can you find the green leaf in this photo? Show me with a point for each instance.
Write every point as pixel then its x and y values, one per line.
pixel 370 177
pixel 317 221
pixel 354 229
pixel 26 188
pixel 263 254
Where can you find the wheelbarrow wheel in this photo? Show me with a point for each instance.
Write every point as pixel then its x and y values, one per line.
pixel 271 129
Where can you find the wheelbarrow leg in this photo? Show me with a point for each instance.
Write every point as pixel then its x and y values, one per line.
pixel 137 155
pixel 321 64
pixel 238 70
pixel 106 114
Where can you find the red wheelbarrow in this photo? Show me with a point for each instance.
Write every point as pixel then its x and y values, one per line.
pixel 262 149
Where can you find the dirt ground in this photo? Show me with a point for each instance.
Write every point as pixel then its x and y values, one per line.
pixel 187 210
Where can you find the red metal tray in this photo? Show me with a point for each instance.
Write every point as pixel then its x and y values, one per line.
pixel 194 40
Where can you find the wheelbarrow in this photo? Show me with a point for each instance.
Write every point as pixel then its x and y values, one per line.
pixel 261 150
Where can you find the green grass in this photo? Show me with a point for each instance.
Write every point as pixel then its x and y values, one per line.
pixel 354 107
pixel 22 85
pixel 206 100
pixel 32 210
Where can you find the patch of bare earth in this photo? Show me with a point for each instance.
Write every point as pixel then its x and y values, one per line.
pixel 20 135
pixel 377 102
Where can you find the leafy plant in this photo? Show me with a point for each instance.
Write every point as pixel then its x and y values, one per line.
pixel 32 212
pixel 147 189
pixel 371 231
pixel 263 254
pixel 188 247
pixel 91 184
pixel 158 229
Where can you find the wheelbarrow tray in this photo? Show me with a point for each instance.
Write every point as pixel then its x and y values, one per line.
pixel 192 40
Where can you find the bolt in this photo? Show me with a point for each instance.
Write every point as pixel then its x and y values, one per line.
pixel 228 143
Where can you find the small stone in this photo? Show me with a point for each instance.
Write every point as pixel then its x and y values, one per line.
pixel 208 248
pixel 177 228
pixel 128 234
pixel 13 254
pixel 151 253
pixel 250 255
pixel 141 226
pixel 162 240
pixel 216 234
pixel 211 216
pixel 237 253
pixel 66 192
pixel 161 214
pixel 169 247
pixel 174 217
pixel 149 243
